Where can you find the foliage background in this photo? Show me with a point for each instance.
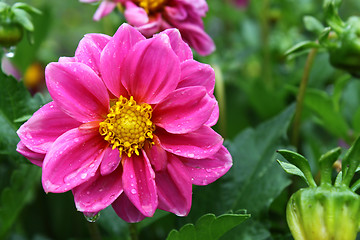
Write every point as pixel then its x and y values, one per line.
pixel 256 87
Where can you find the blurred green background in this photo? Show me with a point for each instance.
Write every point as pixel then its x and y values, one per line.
pixel 256 94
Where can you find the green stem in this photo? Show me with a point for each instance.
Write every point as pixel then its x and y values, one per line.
pixel 94 231
pixel 133 231
pixel 301 96
pixel 266 58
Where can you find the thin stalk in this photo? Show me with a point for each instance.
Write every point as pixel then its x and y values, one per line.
pixel 133 231
pixel 266 58
pixel 301 96
pixel 94 231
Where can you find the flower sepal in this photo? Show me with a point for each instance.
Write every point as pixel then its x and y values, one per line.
pixel 324 212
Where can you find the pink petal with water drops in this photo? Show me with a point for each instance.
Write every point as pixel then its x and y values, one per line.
pixel 206 171
pixel 126 210
pixel 110 162
pixel 113 55
pixel 34 157
pixel 184 110
pixel 77 90
pixel 194 73
pixel 136 16
pixel 174 187
pixel 98 192
pixel 139 184
pixel 44 127
pixel 201 143
pixel 157 155
pixel 151 70
pixel 72 160
pixel 89 50
pixel 182 49
pixel 67 59
pixel 214 117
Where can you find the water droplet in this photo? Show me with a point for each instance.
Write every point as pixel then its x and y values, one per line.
pixel 91 217
pixel 92 165
pixel 191 155
pixel 76 140
pixel 208 170
pixel 10 52
pixel 83 176
pixel 131 176
pixel 133 191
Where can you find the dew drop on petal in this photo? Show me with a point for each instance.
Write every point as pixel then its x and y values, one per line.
pixel 83 175
pixel 133 191
pixel 191 155
pixel 91 217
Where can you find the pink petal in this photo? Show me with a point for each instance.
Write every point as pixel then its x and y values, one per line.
pixel 98 192
pixel 104 9
pixel 214 116
pixel 174 188
pixel 201 143
pixel 77 90
pixel 126 210
pixel 67 59
pixel 110 162
pixel 153 26
pixel 139 184
pixel 194 73
pixel 196 37
pixel 184 110
pixel 33 157
pixel 206 171
pixel 151 70
pixel 90 48
pixel 181 48
pixel 72 160
pixel 44 127
pixel 157 155
pixel 113 55
pixel 134 15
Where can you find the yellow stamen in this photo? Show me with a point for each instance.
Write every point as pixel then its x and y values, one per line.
pixel 128 126
pixel 151 6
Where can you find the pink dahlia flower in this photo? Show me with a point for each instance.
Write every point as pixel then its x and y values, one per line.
pixel 152 16
pixel 129 125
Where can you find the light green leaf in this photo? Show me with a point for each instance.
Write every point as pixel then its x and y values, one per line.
pixel 301 163
pixel 292 169
pixel 351 162
pixel 23 18
pixel 208 227
pixel 302 46
pixel 312 24
pixel 26 7
pixel 326 162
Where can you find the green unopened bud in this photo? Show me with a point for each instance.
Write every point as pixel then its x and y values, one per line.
pixel 344 48
pixel 324 213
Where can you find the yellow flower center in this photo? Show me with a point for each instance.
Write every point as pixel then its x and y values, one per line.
pixel 128 126
pixel 151 6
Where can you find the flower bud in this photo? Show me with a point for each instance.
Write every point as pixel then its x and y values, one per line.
pixel 324 213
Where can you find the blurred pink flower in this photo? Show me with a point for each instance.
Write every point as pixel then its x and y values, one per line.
pixel 241 3
pixel 129 125
pixel 152 16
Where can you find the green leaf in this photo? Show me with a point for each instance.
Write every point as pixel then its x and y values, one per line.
pixel 302 46
pixel 3 6
pixel 301 163
pixel 17 195
pixel 326 162
pixel 208 227
pixel 312 24
pixel 15 102
pixel 323 106
pixel 351 162
pixel 292 169
pixel 26 7
pixel 23 18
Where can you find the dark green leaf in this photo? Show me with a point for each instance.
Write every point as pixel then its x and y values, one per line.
pixel 17 195
pixel 208 227
pixel 351 162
